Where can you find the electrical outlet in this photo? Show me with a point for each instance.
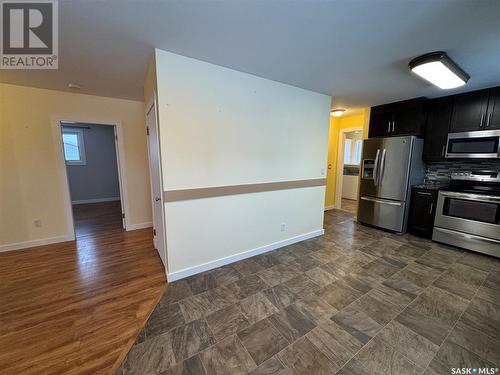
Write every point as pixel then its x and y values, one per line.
pixel 283 227
pixel 37 223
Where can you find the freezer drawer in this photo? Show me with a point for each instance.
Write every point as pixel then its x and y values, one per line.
pixel 382 213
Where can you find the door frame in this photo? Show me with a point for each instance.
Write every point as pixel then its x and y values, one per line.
pixel 152 104
pixel 340 164
pixel 63 172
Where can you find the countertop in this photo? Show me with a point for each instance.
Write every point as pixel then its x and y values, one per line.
pixel 429 186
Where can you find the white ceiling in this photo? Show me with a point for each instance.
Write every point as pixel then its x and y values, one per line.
pixel 355 50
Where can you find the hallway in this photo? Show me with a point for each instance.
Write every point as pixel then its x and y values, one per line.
pixel 93 218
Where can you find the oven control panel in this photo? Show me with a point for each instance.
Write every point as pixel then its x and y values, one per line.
pixel 486 176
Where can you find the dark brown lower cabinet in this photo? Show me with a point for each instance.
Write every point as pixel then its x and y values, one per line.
pixel 422 211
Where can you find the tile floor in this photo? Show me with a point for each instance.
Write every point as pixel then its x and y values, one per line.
pixel 356 301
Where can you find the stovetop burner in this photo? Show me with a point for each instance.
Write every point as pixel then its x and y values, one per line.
pixel 475 182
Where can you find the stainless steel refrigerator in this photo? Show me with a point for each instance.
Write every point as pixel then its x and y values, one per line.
pixel 390 166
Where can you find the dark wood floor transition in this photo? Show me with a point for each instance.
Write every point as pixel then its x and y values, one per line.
pixel 355 302
pixel 92 218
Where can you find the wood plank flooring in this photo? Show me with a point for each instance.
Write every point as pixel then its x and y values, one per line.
pixel 77 307
pixel 349 205
pixel 97 217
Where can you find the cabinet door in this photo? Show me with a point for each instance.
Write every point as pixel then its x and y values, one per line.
pixel 409 117
pixel 493 117
pixel 423 206
pixel 380 122
pixel 469 111
pixel 438 126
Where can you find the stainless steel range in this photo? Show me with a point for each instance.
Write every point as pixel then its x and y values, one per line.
pixel 468 212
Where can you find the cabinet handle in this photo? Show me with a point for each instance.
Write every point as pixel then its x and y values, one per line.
pixel 389 127
pixel 442 151
pixel 488 122
pixel 481 122
pixel 423 193
pixel 432 206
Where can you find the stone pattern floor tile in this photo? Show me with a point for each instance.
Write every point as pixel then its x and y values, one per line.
pixel 262 340
pixel 272 366
pixel 356 301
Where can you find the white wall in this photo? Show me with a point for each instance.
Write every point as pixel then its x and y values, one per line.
pixel 222 127
pixel 350 187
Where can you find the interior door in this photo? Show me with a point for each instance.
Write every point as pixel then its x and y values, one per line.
pixel 156 185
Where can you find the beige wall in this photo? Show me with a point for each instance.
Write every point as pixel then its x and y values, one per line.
pixel 222 127
pixel 31 182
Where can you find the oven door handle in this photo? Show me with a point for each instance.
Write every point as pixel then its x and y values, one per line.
pixel 467 236
pixel 476 197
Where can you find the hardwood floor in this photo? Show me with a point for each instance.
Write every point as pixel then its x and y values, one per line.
pixel 77 307
pixel 349 205
pixel 91 218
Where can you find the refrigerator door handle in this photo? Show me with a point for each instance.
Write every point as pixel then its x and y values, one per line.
pixel 382 167
pixel 375 168
pixel 383 201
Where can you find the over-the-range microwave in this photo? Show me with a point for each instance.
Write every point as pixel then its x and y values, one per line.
pixel 484 144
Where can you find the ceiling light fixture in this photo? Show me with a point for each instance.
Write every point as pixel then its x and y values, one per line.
pixel 337 112
pixel 74 85
pixel 439 69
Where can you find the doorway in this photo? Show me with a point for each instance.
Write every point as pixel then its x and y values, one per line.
pixel 348 168
pixel 91 158
pixel 152 131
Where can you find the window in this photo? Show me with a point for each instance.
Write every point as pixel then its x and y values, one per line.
pixel 347 151
pixel 353 147
pixel 357 151
pixel 74 146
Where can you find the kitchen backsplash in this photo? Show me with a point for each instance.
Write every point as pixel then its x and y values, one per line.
pixel 439 173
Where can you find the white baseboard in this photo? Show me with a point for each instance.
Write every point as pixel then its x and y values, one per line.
pixel 148 224
pixel 33 243
pixel 96 200
pixel 173 276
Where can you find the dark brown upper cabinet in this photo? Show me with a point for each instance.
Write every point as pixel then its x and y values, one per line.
pixel 493 115
pixel 469 111
pixel 477 110
pixel 380 121
pixel 400 118
pixel 438 125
